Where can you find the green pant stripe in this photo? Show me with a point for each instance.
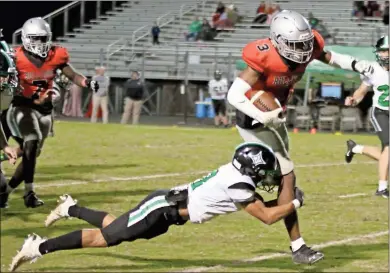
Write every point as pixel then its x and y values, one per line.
pixel 145 209
pixel 12 123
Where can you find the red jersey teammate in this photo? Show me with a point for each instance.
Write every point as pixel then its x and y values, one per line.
pixel 29 115
pixel 275 64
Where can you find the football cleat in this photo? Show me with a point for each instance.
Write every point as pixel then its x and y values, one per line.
pixel 28 253
pixel 349 154
pixel 306 255
pixel 384 193
pixel 31 200
pixel 61 211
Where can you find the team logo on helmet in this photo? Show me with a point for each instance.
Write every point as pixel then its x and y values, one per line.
pixel 258 159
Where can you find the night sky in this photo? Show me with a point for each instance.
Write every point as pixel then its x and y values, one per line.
pixel 15 13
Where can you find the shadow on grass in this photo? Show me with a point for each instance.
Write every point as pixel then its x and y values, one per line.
pixel 90 200
pixel 336 256
pixel 75 172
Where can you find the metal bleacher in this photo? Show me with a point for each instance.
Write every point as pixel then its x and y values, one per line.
pixel 120 39
pixel 169 60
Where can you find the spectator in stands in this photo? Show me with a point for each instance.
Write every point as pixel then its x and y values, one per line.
pixel 207 33
pixel 100 97
pixel 193 30
pixel 261 8
pixel 317 24
pixel 232 15
pixel 220 8
pixel 134 94
pixel 155 34
pixel 227 19
pixel 386 13
pixel 313 21
pixel 272 11
pixel 372 8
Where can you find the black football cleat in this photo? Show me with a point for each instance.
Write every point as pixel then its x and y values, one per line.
pixel 4 200
pixel 384 193
pixel 31 200
pixel 306 255
pixel 349 154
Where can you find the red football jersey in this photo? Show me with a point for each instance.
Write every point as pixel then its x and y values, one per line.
pixel 276 77
pixel 35 78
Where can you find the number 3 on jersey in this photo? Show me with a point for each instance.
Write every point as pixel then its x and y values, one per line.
pixel 201 181
pixel 384 98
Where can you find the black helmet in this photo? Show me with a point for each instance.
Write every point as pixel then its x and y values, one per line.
pixel 217 75
pixel 259 162
pixel 382 45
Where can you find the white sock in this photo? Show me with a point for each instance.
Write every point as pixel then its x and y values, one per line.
pixel 382 185
pixel 358 149
pixel 295 245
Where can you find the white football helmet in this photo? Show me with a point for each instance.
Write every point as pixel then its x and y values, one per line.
pixel 36 36
pixel 292 36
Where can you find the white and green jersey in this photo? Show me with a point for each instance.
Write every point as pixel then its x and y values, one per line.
pixel 220 192
pixel 218 89
pixel 379 80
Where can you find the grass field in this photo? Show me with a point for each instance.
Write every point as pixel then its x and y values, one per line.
pixel 111 168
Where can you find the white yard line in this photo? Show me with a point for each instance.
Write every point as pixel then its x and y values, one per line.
pixel 352 195
pixel 279 255
pixel 165 175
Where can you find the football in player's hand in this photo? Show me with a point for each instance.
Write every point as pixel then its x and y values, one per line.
pixel 264 101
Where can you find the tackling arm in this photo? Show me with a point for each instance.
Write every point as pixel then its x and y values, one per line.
pixel 346 62
pixel 268 215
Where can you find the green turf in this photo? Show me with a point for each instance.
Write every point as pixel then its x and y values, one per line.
pixel 85 153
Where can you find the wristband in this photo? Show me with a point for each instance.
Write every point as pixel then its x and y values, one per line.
pixel 296 203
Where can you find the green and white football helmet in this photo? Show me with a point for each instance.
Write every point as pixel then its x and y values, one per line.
pixel 382 51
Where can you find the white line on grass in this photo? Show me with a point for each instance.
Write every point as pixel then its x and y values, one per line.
pixel 165 175
pixel 279 255
pixel 352 195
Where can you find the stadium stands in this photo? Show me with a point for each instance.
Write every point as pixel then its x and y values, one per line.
pixel 121 38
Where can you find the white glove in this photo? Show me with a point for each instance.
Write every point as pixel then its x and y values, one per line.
pixel 272 118
pixel 364 67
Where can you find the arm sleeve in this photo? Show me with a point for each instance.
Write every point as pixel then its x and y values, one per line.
pixel 241 192
pixel 236 97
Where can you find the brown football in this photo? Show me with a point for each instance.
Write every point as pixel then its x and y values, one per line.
pixel 264 101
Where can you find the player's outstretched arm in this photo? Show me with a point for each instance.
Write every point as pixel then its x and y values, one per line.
pixel 79 79
pixel 269 212
pixel 346 62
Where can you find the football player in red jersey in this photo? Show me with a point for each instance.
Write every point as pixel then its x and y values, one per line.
pixel 275 64
pixel 29 115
